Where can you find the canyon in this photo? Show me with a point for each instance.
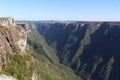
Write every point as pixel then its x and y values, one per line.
pixel 59 50
pixel 91 49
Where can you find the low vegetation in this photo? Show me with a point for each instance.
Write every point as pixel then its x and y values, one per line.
pixel 46 63
pixel 2 28
pixel 20 67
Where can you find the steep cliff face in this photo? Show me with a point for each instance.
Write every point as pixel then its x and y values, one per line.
pixel 7 22
pixel 27 26
pixel 12 38
pixel 47 66
pixel 14 60
pixel 91 49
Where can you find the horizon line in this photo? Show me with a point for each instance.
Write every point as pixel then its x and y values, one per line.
pixel 90 20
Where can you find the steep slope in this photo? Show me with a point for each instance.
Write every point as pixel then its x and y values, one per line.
pixel 47 66
pixel 91 49
pixel 14 60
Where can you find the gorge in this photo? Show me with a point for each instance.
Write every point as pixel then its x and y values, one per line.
pixel 91 49
pixel 59 50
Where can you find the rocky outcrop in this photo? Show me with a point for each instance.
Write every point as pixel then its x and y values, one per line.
pixel 7 22
pixel 25 25
pixel 4 77
pixel 34 76
pixel 12 38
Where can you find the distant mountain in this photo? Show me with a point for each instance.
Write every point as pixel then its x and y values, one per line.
pixel 91 49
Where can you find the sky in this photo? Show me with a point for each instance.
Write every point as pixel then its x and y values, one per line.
pixel 82 10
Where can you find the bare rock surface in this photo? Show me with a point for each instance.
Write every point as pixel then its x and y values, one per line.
pixel 4 77
pixel 12 39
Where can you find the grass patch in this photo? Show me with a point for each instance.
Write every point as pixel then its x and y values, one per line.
pixel 2 28
pixel 20 67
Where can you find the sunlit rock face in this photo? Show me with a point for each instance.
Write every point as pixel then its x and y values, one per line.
pixel 19 38
pixel 4 77
pixel 12 39
pixel 7 22
pixel 25 25
pixel 34 76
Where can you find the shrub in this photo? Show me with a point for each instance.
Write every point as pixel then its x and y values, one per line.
pixel 20 67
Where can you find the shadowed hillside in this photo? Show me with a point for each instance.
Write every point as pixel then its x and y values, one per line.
pixel 47 66
pixel 91 49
